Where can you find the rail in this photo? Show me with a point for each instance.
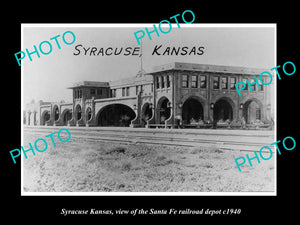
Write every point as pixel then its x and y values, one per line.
pixel 222 139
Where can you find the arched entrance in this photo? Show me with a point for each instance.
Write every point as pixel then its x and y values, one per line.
pixel 24 117
pixel 67 116
pixel 29 115
pixel 164 110
pixel 34 118
pixel 78 112
pixel 88 113
pixel 45 117
pixel 253 111
pixel 146 112
pixel 56 113
pixel 116 115
pixel 192 111
pixel 223 111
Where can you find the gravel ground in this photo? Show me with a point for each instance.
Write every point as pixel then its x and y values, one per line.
pixel 90 166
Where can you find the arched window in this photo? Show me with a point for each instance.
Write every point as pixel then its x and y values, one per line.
pixel 88 113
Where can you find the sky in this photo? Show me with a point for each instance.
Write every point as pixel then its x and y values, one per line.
pixel 48 77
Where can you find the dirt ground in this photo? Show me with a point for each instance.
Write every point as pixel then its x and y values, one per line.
pixel 91 166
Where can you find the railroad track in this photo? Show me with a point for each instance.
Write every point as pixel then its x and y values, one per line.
pixel 223 139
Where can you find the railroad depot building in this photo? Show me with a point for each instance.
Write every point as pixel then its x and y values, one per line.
pixel 171 95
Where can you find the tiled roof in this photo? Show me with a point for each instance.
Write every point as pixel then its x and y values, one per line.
pixel 206 68
pixel 90 84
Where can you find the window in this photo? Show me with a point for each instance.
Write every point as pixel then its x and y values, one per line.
pixel 224 82
pixel 245 81
pixel 232 82
pixel 142 88
pixel 127 91
pixel 93 91
pixel 202 81
pixel 258 114
pixel 185 81
pixel 162 82
pixel 88 113
pixel 99 91
pixel 194 81
pixel 136 90
pixel 79 94
pixel 168 81
pixel 123 92
pixel 157 82
pixel 253 87
pixel 261 85
pixel 113 93
pixel 216 84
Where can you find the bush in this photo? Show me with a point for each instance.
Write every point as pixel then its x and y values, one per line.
pixel 118 149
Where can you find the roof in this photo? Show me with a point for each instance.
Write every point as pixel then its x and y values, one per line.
pixel 90 84
pixel 141 79
pixel 131 81
pixel 206 68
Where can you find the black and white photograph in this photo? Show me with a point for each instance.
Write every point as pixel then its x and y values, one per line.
pixel 149 111
pixel 143 109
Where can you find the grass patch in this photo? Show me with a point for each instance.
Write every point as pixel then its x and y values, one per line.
pixel 126 166
pixel 105 167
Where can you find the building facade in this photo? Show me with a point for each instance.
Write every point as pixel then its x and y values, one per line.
pixel 171 95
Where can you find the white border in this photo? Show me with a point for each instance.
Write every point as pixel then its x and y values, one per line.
pixel 205 25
